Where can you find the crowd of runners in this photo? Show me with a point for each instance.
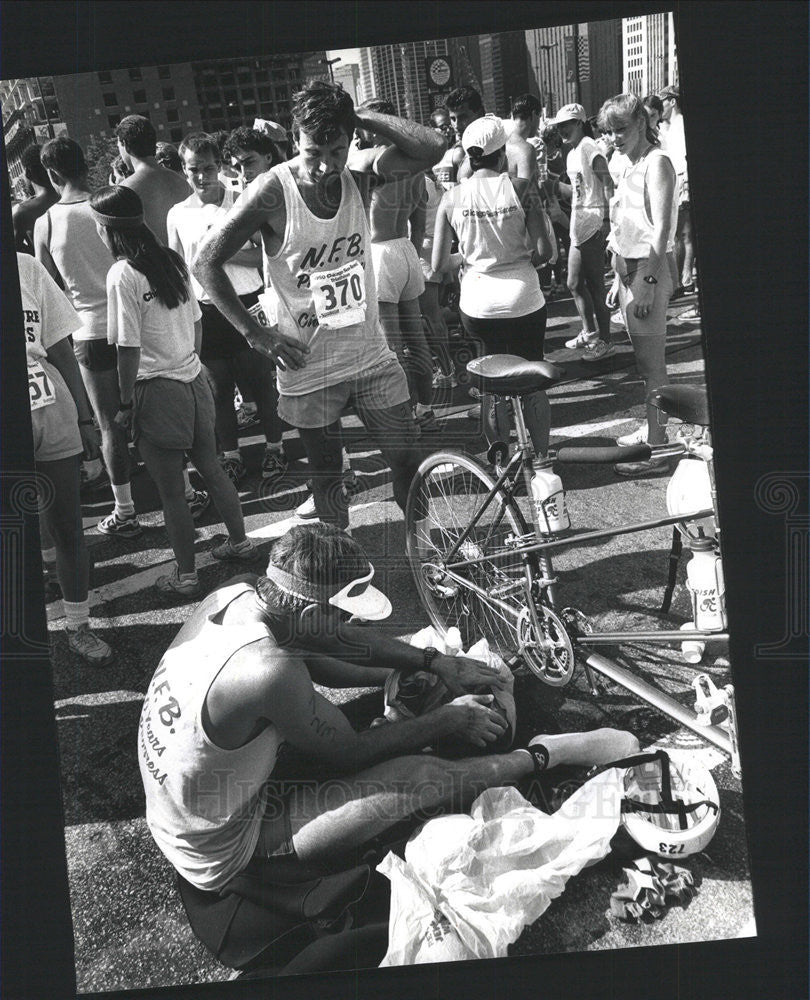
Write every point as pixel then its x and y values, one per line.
pixel 265 277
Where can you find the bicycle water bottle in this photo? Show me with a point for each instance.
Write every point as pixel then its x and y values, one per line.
pixel 548 497
pixel 704 578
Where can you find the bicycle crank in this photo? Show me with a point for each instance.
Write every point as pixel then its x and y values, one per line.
pixel 550 654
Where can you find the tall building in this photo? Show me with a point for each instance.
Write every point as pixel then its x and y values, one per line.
pixel 504 69
pixel 575 63
pixel 348 76
pixel 232 92
pixel 399 74
pixel 649 53
pixel 88 106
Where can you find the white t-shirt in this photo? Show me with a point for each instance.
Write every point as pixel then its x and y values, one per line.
pixel 48 316
pixel 188 223
pixel 588 202
pixel 135 318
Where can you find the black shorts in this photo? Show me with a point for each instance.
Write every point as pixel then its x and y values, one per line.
pixel 523 335
pixel 220 339
pixel 96 355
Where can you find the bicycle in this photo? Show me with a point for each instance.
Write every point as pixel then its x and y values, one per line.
pixel 480 566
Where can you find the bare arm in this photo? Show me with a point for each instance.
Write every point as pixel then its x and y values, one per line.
pixel 418 217
pixel 539 239
pixel 129 359
pixel 197 336
pixel 415 147
pixel 247 216
pixel 42 252
pixel 63 359
pixel 522 161
pixel 442 237
pixel 661 189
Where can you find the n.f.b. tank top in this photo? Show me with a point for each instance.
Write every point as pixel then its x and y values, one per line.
pixel 324 278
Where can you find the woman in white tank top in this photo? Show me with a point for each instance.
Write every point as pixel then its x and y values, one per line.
pixel 503 237
pixel 643 215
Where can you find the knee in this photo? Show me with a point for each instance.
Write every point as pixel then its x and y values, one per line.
pixel 573 281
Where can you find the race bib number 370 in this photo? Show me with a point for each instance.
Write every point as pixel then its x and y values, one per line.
pixel 340 296
pixel 40 388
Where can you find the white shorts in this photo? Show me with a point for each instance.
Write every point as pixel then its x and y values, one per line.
pixel 397 270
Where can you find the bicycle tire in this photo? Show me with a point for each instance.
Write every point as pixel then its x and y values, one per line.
pixel 449 483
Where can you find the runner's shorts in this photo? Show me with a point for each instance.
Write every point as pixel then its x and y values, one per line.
pixel 56 426
pixel 377 388
pixel 397 270
pixel 96 355
pixel 220 339
pixel 172 414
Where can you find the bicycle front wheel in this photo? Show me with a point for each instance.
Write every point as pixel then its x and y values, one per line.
pixel 449 493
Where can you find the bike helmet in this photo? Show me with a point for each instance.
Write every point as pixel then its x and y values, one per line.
pixel 668 808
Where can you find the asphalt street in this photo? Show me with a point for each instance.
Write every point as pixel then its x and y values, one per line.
pixel 129 927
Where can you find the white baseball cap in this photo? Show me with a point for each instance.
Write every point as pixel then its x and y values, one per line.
pixel 486 133
pixel 570 113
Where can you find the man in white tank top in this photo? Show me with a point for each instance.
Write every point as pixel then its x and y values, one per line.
pixel 238 679
pixel 328 343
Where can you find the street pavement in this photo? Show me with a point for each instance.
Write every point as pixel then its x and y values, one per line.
pixel 129 927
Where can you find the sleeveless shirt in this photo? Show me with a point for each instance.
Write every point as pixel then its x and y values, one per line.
pixel 631 226
pixel 203 804
pixel 489 221
pixel 324 278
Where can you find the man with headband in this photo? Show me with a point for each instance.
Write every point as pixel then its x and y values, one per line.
pixel 238 681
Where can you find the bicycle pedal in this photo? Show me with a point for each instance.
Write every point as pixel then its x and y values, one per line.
pixel 710 704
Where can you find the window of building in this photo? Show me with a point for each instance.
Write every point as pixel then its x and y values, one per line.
pixel 227 79
pixel 244 76
pixel 262 75
pixel 247 93
pixel 139 96
pixel 168 93
pixel 135 74
pixel 279 74
pixel 113 120
pixel 47 88
pixel 281 93
pixel 172 115
pixel 164 73
pixel 230 97
pixel 264 93
pixel 268 110
pixel 53 111
pixel 105 77
pixel 110 100
pixel 176 134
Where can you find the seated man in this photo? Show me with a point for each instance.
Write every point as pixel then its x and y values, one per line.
pixel 238 681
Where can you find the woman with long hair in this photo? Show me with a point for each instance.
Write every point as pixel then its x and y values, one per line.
pixel 166 402
pixel 643 217
pixel 591 188
pixel 503 236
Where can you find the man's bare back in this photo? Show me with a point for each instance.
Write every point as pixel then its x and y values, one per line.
pixel 392 205
pixel 158 189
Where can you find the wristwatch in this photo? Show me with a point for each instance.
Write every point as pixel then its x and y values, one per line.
pixel 430 653
pixel 649 279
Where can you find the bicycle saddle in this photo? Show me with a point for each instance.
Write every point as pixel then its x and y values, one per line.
pixel 509 375
pixel 686 402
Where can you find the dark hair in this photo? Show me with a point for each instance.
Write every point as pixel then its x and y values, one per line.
pixel 488 162
pixel 525 106
pixel 626 108
pixel 167 156
pixel 323 111
pixel 165 270
pixel 673 92
pixel 137 135
pixel 318 553
pixel 379 104
pixel 439 112
pixel 464 95
pixel 64 157
pixel 551 136
pixel 654 101
pixel 252 139
pixel 200 142
pixel 120 167
pixel 34 170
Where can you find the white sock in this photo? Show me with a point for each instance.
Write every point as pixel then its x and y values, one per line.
pixel 422 408
pixel 93 468
pixel 189 489
pixel 232 454
pixel 77 614
pixel 347 465
pixel 275 446
pixel 124 506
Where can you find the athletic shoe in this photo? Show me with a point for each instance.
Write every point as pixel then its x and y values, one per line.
pixel 121 527
pixel 658 464
pixel 198 503
pixel 427 422
pixel 246 418
pixel 186 585
pixel 638 436
pixel 597 350
pixel 234 468
pixel 306 511
pixel 274 463
pixel 474 412
pixel 582 339
pixel 442 381
pixel 94 651
pixel 351 484
pixel 244 551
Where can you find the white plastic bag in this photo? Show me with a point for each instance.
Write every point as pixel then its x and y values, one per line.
pixel 492 873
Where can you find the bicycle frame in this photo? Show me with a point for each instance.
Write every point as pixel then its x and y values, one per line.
pixel 519 462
